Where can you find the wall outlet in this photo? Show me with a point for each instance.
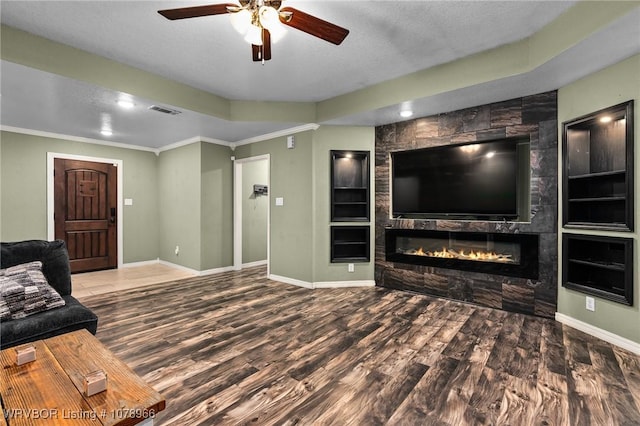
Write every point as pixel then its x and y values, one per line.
pixel 351 267
pixel 177 250
pixel 591 304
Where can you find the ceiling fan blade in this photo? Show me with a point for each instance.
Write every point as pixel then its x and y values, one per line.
pixel 195 11
pixel 262 53
pixel 312 25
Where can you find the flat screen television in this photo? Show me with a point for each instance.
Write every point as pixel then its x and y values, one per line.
pixel 475 181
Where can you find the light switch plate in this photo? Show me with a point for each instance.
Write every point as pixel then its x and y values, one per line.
pixel 279 201
pixel 590 304
pixel 128 201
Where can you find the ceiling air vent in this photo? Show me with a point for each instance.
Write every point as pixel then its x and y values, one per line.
pixel 165 110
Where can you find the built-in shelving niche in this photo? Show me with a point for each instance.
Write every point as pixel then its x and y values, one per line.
pixel 349 186
pixel 598 170
pixel 599 265
pixel 349 244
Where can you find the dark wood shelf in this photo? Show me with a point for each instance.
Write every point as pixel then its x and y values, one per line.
pixel 350 203
pixel 347 203
pixel 598 199
pixel 599 174
pixel 351 219
pixel 350 186
pixel 599 265
pixel 595 264
pixel 598 170
pixel 349 244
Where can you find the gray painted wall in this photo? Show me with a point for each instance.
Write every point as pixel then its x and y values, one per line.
pixel 608 87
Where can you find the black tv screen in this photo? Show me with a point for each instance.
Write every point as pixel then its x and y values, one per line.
pixel 478 180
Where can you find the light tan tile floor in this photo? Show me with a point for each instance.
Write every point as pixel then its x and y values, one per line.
pixel 100 282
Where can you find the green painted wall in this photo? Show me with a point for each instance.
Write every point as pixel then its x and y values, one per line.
pixel 325 139
pixel 23 190
pixel 291 224
pixel 608 87
pixel 300 229
pixel 196 206
pixel 254 211
pixel 180 203
pixel 182 197
pixel 216 193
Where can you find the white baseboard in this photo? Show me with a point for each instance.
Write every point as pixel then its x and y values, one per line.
pixel 605 335
pixel 344 284
pixel 215 271
pixel 291 281
pixel 182 268
pixel 254 264
pixel 323 284
pixel 195 271
pixel 142 263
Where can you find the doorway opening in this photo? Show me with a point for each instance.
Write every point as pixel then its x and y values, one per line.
pixel 251 213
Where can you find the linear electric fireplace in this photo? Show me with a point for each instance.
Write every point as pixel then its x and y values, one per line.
pixel 514 255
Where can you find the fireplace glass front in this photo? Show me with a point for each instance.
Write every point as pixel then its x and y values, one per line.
pixel 462 248
pixel 503 254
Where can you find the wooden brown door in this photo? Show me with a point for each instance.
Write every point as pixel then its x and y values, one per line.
pixel 85 215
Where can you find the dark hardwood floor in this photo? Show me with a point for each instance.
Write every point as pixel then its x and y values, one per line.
pixel 236 348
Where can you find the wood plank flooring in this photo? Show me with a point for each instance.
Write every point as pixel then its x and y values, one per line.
pixel 237 348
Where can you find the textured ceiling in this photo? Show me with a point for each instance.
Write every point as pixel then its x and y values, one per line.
pixel 388 39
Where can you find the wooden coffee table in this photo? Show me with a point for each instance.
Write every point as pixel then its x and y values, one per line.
pixel 49 390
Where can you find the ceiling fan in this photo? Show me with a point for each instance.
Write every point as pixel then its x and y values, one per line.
pixel 261 20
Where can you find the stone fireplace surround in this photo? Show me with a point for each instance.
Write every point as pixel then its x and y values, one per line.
pixel 533 116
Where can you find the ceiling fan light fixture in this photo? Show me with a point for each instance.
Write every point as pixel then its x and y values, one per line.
pixel 241 21
pixel 268 17
pixel 263 21
pixel 254 35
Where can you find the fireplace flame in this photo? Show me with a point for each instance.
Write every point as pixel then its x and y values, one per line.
pixel 446 253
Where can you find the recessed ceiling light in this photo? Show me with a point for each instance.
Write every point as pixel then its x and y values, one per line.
pixel 406 114
pixel 106 132
pixel 125 103
pixel 606 119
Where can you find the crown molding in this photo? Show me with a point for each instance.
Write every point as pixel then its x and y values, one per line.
pixel 76 138
pixel 278 134
pixel 157 151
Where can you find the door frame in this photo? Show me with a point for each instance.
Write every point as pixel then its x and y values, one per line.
pixel 51 229
pixel 237 209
